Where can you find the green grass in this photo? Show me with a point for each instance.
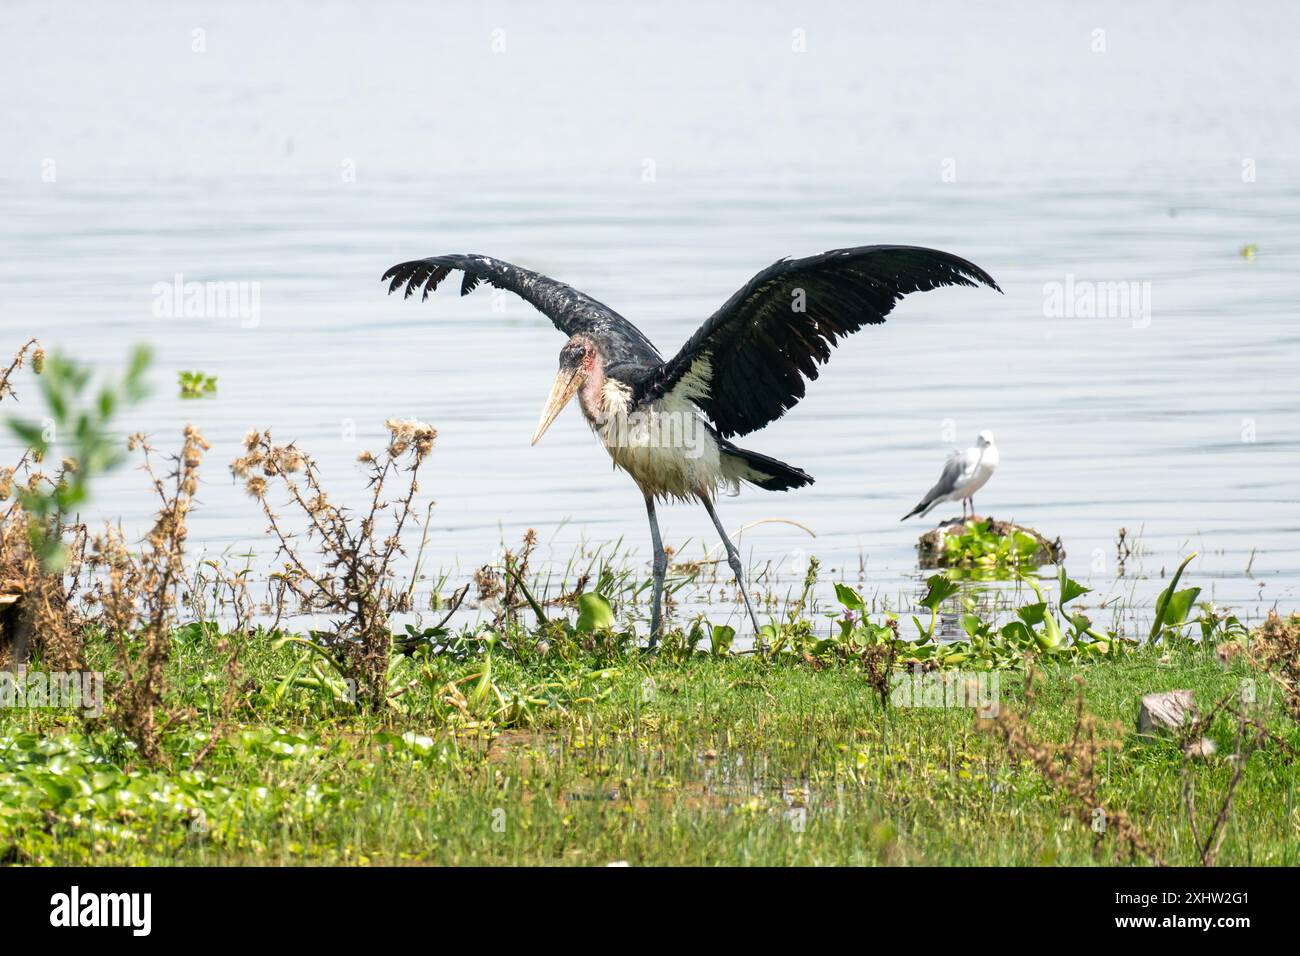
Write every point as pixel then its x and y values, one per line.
pixel 618 757
pixel 565 744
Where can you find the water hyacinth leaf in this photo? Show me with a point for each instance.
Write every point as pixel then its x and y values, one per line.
pixel 721 637
pixel 1179 606
pixel 849 598
pixel 1018 633
pixel 822 647
pixel 1082 623
pixel 878 633
pixel 939 589
pixel 288 680
pixel 1033 614
pixel 1025 545
pixel 1162 602
pixel 594 612
pixel 103 780
pixel 483 686
pixel 1049 638
pixel 1070 589
pixel 57 789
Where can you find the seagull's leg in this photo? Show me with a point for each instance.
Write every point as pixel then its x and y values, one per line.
pixel 733 559
pixel 660 569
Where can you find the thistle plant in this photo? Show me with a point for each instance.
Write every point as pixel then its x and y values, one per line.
pixel 353 580
pixel 137 592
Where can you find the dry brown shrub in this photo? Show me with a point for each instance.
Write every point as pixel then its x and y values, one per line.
pixel 137 592
pixel 36 616
pixel 1274 648
pixel 354 579
pixel 516 573
pixel 31 350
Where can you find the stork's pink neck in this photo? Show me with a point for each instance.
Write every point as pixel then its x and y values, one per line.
pixel 591 396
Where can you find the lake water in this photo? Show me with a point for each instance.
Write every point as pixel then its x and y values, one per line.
pixel 656 158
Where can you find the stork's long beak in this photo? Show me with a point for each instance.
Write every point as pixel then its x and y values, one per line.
pixel 567 383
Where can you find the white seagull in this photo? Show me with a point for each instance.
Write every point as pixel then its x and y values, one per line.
pixel 965 473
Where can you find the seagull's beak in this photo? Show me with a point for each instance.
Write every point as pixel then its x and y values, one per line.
pixel 567 383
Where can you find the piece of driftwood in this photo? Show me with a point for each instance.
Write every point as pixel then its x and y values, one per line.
pixel 1166 713
pixel 931 552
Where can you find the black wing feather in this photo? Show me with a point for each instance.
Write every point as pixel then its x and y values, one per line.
pixel 571 311
pixel 748 363
pixel 469 283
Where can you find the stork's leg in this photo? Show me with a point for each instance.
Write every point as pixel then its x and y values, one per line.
pixel 733 559
pixel 660 569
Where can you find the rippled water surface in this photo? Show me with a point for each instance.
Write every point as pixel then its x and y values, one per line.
pixel 656 158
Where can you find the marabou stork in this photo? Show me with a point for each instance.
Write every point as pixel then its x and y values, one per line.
pixel 667 423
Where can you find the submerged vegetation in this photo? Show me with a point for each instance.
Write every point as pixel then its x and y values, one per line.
pixel 155 713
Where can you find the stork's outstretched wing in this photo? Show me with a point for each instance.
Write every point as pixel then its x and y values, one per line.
pixel 571 311
pixel 747 364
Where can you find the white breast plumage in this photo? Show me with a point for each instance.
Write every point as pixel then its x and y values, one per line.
pixel 665 445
